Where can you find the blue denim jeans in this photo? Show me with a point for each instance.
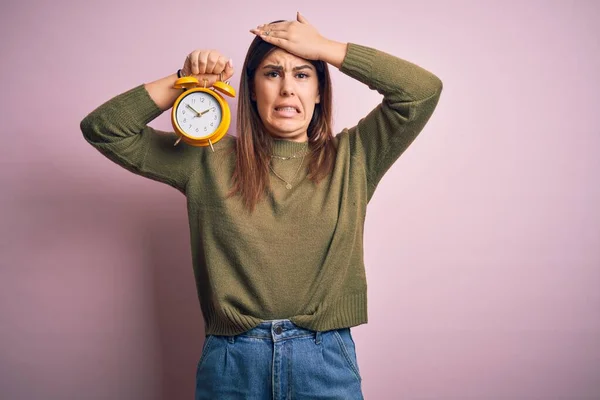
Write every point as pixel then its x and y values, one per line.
pixel 280 361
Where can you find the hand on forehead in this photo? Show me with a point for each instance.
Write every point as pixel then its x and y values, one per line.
pixel 297 37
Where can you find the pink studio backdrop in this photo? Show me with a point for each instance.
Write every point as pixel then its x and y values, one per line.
pixel 482 242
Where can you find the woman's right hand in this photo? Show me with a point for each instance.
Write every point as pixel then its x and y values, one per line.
pixel 207 64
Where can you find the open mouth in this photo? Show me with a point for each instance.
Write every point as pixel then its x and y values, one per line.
pixel 287 109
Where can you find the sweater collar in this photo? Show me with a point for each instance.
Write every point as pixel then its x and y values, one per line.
pixel 286 148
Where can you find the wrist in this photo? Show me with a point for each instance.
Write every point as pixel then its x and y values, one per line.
pixel 162 91
pixel 334 52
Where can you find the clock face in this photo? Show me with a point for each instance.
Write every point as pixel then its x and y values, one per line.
pixel 198 114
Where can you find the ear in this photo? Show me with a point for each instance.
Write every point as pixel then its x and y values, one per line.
pixel 318 99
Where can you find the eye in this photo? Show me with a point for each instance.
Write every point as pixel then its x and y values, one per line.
pixel 302 75
pixel 272 74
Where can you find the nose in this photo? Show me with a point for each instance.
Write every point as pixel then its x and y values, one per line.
pixel 287 86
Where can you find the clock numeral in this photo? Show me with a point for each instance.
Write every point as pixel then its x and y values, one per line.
pixel 213 109
pixel 212 123
pixel 190 126
pixel 215 118
pixel 193 101
pixel 202 99
pixel 183 112
pixel 185 120
pixel 204 129
pixel 197 130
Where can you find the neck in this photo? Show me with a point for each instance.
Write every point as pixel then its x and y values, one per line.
pixel 299 137
pixel 286 148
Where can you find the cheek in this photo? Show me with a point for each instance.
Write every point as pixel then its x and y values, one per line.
pixel 311 102
pixel 262 105
pixel 310 107
pixel 263 98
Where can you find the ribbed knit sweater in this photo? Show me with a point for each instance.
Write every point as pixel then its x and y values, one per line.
pixel 299 255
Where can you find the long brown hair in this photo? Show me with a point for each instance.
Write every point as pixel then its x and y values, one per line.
pixel 254 143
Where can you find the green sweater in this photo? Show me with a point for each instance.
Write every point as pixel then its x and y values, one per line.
pixel 299 255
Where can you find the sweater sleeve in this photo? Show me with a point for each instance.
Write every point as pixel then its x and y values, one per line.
pixel 118 129
pixel 410 95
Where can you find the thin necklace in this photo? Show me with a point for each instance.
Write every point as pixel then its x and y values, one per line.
pixel 288 185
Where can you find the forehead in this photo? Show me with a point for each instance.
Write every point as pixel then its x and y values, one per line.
pixel 282 57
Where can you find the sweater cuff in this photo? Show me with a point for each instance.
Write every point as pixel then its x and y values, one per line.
pixel 358 61
pixel 137 107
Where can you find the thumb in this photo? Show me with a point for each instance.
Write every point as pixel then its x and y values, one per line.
pixel 228 72
pixel 301 18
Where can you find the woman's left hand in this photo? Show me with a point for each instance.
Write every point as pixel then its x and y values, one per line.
pixel 297 37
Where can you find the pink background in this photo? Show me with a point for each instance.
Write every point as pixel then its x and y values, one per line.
pixel 482 241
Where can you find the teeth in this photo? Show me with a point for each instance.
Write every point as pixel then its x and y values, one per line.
pixel 285 109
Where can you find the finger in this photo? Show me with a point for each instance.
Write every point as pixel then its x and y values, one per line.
pixel 271 33
pixel 207 80
pixel 219 65
pixel 193 60
pixel 187 66
pixel 261 32
pixel 274 40
pixel 211 62
pixel 267 32
pixel 301 18
pixel 211 79
pixel 274 26
pixel 228 72
pixel 202 61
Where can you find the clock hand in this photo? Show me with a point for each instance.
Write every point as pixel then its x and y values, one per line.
pixel 204 112
pixel 194 110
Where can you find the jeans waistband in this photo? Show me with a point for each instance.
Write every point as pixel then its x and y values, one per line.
pixel 278 330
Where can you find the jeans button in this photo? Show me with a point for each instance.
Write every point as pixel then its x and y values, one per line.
pixel 278 329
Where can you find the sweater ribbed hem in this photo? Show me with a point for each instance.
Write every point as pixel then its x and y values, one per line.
pixel 347 312
pixel 350 310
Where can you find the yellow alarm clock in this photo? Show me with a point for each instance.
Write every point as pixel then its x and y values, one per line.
pixel 200 115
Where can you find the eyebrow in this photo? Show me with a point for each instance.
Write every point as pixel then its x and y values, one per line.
pixel 280 68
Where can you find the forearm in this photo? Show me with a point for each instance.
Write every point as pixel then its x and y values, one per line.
pixel 334 53
pixel 162 91
pixel 411 94
pixel 400 81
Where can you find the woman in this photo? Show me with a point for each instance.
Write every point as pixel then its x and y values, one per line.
pixel 276 215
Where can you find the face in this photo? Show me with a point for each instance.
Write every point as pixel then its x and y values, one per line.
pixel 286 90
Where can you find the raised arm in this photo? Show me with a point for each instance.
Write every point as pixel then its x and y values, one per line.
pixel 410 93
pixel 119 127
